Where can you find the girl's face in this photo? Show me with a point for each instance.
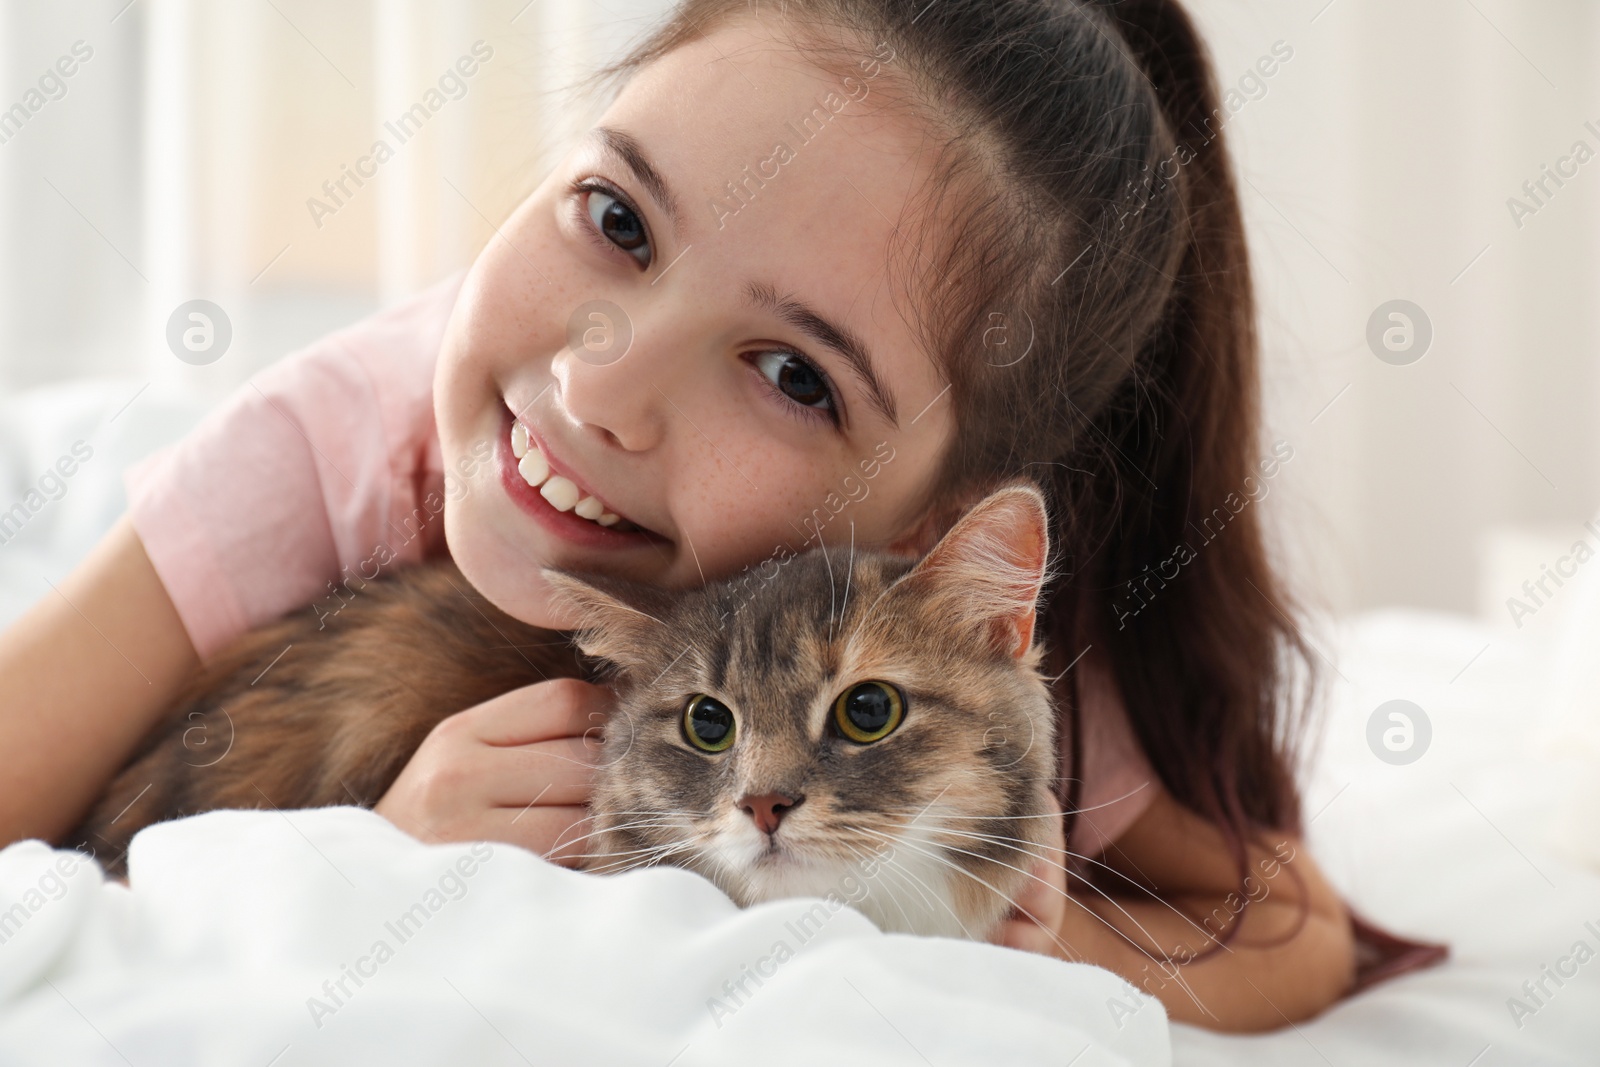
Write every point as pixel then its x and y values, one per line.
pixel 692 320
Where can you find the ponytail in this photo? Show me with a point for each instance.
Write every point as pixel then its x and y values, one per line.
pixel 1197 628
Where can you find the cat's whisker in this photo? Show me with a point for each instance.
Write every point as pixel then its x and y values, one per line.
pixel 849 571
pixel 1054 935
pixel 894 898
pixel 939 856
pixel 827 565
pixel 1054 888
pixel 1082 906
pixel 1068 951
pixel 1182 983
pixel 926 892
pixel 620 828
pixel 923 890
pixel 574 847
pixel 662 811
pixel 904 876
pixel 1002 842
pixel 1044 815
pixel 649 857
pixel 860 855
pixel 653 854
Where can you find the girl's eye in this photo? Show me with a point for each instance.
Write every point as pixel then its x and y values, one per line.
pixel 618 222
pixel 869 711
pixel 796 379
pixel 708 724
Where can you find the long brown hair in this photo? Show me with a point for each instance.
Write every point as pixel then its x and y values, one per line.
pixel 1090 304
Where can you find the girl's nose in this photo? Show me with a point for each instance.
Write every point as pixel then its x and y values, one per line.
pixel 615 381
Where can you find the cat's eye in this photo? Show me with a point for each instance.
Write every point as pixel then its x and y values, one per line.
pixel 869 711
pixel 708 724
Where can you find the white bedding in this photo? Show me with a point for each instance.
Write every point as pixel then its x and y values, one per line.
pixel 330 937
pixel 235 919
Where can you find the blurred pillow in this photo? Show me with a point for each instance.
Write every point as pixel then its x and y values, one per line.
pixel 63 449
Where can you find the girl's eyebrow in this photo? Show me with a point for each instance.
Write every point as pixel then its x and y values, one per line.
pixel 802 316
pixel 809 321
pixel 628 149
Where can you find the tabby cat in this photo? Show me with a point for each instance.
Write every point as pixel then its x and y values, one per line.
pixel 859 724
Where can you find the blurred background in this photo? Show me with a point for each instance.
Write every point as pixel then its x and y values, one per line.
pixel 1383 148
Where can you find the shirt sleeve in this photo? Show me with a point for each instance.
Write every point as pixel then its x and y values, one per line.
pixel 312 473
pixel 1118 781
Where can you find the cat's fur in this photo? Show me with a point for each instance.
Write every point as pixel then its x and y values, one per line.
pixel 931 829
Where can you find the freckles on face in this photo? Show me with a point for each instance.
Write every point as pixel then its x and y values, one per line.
pixel 743 209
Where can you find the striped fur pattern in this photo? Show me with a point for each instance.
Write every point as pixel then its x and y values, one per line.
pixel 932 829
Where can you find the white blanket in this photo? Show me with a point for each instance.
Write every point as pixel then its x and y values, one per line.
pixel 329 937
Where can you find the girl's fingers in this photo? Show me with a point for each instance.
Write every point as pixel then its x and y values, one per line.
pixel 553 831
pixel 1024 936
pixel 548 773
pixel 544 711
pixel 518 768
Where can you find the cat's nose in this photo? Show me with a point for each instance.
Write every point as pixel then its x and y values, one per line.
pixel 768 809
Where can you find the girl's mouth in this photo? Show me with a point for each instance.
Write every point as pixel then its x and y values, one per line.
pixel 560 503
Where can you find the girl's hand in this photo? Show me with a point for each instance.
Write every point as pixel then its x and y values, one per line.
pixel 517 768
pixel 1034 924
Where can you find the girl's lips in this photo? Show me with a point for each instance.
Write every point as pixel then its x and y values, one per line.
pixel 568 526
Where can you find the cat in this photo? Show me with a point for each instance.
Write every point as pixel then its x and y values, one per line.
pixel 863 725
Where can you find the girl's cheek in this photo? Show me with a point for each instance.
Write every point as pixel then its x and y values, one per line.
pixel 458 479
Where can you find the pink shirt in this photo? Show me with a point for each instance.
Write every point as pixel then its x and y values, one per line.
pixel 330 459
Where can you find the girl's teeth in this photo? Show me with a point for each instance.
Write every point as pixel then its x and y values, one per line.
pixel 561 492
pixel 534 467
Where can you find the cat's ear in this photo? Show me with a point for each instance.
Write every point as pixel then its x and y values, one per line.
pixel 615 619
pixel 985 574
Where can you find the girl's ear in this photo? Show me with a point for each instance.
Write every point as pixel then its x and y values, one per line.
pixel 986 573
pixel 618 620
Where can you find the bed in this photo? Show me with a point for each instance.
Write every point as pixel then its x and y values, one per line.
pixel 252 937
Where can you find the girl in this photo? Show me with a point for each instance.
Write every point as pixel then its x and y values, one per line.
pixel 959 241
